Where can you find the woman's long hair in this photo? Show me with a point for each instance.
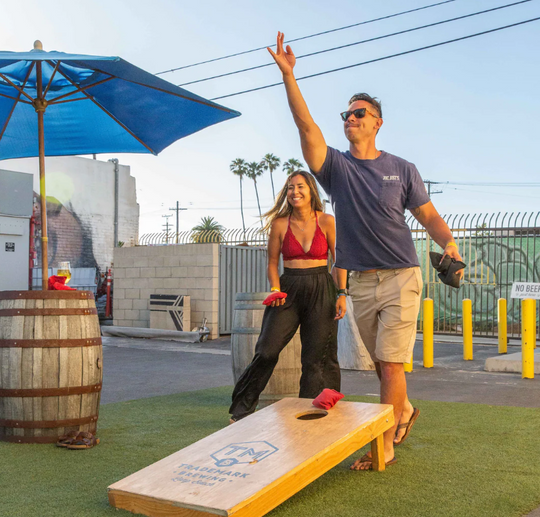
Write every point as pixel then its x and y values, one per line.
pixel 283 208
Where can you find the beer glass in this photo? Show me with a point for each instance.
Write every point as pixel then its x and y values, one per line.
pixel 64 270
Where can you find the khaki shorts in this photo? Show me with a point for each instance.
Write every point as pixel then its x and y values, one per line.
pixel 386 304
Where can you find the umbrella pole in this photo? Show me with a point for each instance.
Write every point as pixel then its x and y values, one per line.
pixel 40 105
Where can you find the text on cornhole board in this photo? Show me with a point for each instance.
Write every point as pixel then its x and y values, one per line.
pixel 250 467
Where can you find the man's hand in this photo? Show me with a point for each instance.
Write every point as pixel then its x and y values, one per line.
pixel 341 307
pixel 284 59
pixel 430 219
pixel 452 251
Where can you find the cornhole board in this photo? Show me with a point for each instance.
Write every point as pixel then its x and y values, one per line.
pixel 250 467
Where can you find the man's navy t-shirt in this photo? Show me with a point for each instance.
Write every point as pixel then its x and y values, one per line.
pixel 369 198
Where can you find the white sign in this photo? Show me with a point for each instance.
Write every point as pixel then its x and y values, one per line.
pixel 526 290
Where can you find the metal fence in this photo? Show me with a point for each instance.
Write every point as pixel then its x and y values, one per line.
pixel 251 237
pixel 499 249
pixel 242 269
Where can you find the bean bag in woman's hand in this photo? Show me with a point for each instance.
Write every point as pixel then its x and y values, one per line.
pixel 327 399
pixel 277 295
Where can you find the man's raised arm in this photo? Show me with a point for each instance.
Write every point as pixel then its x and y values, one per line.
pixel 311 137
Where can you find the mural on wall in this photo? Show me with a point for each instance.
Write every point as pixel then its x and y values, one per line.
pixel 493 264
pixel 69 239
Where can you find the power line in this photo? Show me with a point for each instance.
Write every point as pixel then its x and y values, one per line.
pixel 359 42
pixel 381 58
pixel 306 37
pixel 488 183
pixel 492 193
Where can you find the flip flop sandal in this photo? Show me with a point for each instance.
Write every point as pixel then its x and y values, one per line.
pixel 67 439
pixel 407 426
pixel 84 440
pixel 370 461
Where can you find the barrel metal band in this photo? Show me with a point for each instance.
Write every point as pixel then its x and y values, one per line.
pixel 49 343
pixel 46 295
pixel 47 312
pixel 50 392
pixel 47 424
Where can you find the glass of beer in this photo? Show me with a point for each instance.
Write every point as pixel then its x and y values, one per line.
pixel 64 270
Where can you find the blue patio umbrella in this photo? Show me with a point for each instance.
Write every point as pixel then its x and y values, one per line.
pixel 57 104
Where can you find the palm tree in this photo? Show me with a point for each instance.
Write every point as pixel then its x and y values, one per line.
pixel 270 163
pixel 239 167
pixel 254 170
pixel 208 230
pixel 292 165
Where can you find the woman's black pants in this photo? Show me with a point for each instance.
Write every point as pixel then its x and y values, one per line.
pixel 310 304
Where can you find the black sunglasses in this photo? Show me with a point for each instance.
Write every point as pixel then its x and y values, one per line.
pixel 359 113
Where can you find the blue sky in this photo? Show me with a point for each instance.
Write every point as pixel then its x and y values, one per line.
pixel 464 112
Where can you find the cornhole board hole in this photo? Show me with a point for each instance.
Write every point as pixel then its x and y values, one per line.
pixel 250 467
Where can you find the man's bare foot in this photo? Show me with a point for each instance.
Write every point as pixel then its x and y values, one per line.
pixel 366 461
pixel 405 417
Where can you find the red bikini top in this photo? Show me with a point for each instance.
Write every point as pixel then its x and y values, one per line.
pixel 292 249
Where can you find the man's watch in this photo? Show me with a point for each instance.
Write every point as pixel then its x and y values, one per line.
pixel 342 292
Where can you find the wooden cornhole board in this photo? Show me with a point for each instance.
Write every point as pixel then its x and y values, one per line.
pixel 253 465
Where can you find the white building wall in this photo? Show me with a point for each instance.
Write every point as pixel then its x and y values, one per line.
pixel 86 188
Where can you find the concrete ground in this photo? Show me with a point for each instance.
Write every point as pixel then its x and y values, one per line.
pixel 139 368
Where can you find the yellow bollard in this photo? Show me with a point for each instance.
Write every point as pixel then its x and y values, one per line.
pixel 528 337
pixel 428 333
pixel 501 323
pixel 408 367
pixel 467 330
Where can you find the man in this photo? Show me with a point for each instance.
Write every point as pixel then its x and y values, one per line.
pixel 370 190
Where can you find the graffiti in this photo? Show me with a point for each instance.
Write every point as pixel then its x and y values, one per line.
pixel 493 265
pixel 69 239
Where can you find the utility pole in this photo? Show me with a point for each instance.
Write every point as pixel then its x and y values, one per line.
pixel 429 191
pixel 177 210
pixel 167 226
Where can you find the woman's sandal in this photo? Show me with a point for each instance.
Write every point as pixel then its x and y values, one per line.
pixel 67 439
pixel 84 440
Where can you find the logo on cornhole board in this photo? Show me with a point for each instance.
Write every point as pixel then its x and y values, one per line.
pixel 243 452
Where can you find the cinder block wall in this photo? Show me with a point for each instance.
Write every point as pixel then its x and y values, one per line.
pixel 189 269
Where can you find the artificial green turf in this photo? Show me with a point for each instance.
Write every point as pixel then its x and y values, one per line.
pixel 462 460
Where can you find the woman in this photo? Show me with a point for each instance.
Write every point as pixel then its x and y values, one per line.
pixel 305 295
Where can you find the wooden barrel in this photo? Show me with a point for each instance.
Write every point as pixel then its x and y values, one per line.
pixel 247 320
pixel 50 364
pixel 352 353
